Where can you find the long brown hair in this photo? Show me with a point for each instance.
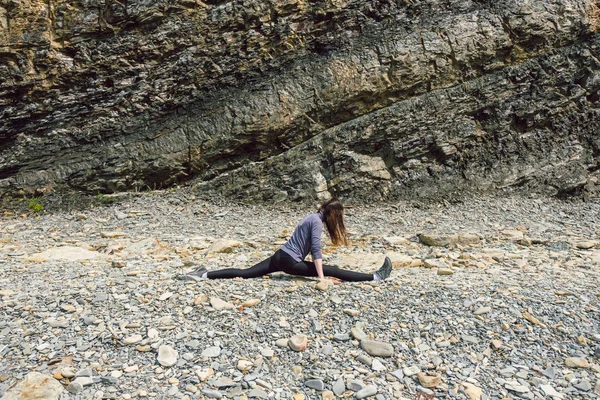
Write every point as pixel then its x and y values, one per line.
pixel 333 217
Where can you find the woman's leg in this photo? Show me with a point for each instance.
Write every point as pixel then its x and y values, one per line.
pixel 265 267
pixel 256 271
pixel 307 268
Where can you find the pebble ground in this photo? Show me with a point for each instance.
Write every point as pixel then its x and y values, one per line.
pixel 87 295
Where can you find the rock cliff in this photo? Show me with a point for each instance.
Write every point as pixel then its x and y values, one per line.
pixel 294 99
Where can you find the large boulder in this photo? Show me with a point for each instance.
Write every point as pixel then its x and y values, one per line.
pixel 35 386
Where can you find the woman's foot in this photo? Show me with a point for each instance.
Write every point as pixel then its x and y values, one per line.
pixel 385 271
pixel 195 275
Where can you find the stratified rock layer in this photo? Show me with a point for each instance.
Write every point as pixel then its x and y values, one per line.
pixel 292 99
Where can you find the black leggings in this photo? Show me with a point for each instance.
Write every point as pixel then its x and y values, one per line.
pixel 282 261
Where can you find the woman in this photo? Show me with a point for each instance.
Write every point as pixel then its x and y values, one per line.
pixel 290 258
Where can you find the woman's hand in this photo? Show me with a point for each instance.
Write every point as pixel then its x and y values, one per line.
pixel 319 267
pixel 329 281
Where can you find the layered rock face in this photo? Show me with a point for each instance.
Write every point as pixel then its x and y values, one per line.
pixel 295 99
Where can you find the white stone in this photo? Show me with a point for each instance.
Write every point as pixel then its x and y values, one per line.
pixel 267 352
pixel 445 271
pixel 472 391
pixel 244 365
pixel 512 234
pixel 410 371
pixel 67 372
pixel 357 332
pixel 84 381
pixel 367 391
pixel 223 246
pixel 113 235
pixel 165 296
pixel 377 365
pixel 251 302
pixel 205 373
pixel 133 339
pixel 212 351
pixel 116 373
pixel 435 263
pixel 298 342
pixel 576 362
pixel 219 304
pixel 64 253
pixel 74 387
pixel 482 310
pixel 551 392
pixel 167 356
pixel 376 348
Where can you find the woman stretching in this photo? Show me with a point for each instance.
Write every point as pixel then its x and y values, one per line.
pixel 290 258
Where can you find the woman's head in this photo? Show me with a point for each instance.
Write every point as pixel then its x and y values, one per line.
pixel 333 217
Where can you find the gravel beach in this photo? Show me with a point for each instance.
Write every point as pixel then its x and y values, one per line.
pixel 490 298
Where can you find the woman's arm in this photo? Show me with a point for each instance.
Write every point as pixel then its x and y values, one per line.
pixel 315 241
pixel 319 266
pixel 316 230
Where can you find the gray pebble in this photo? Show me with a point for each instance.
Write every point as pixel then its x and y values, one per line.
pixel 339 387
pixel 398 374
pixel 549 372
pixel 341 337
pixel 376 348
pixel 84 372
pixel 212 394
pixel 584 386
pixel 316 384
pixel 257 393
pixel 355 385
pixel 366 392
pixel 212 351
pixel 364 359
pixel 74 387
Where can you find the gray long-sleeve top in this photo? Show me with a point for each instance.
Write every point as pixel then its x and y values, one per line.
pixel 306 238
